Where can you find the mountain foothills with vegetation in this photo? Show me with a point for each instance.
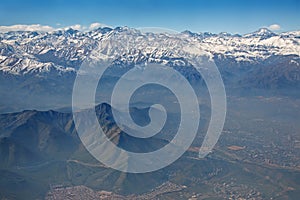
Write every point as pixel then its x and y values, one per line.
pixel 256 157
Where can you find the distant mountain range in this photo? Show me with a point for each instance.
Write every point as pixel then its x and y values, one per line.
pixel 43 65
pixel 63 51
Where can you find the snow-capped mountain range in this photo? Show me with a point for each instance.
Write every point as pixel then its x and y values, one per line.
pixel 38 69
pixel 63 51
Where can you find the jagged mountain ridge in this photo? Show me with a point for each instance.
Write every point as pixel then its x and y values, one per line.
pixel 63 51
pixel 31 136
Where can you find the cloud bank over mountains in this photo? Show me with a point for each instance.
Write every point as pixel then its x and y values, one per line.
pixel 46 28
pixel 23 27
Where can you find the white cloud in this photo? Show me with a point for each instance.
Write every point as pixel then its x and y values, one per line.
pixel 39 27
pixel 75 27
pixel 95 25
pixel 23 27
pixel 274 27
pixel 85 28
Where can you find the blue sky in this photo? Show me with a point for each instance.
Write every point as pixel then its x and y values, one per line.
pixel 234 16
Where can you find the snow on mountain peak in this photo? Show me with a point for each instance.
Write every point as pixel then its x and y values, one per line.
pixel 262 32
pixel 21 52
